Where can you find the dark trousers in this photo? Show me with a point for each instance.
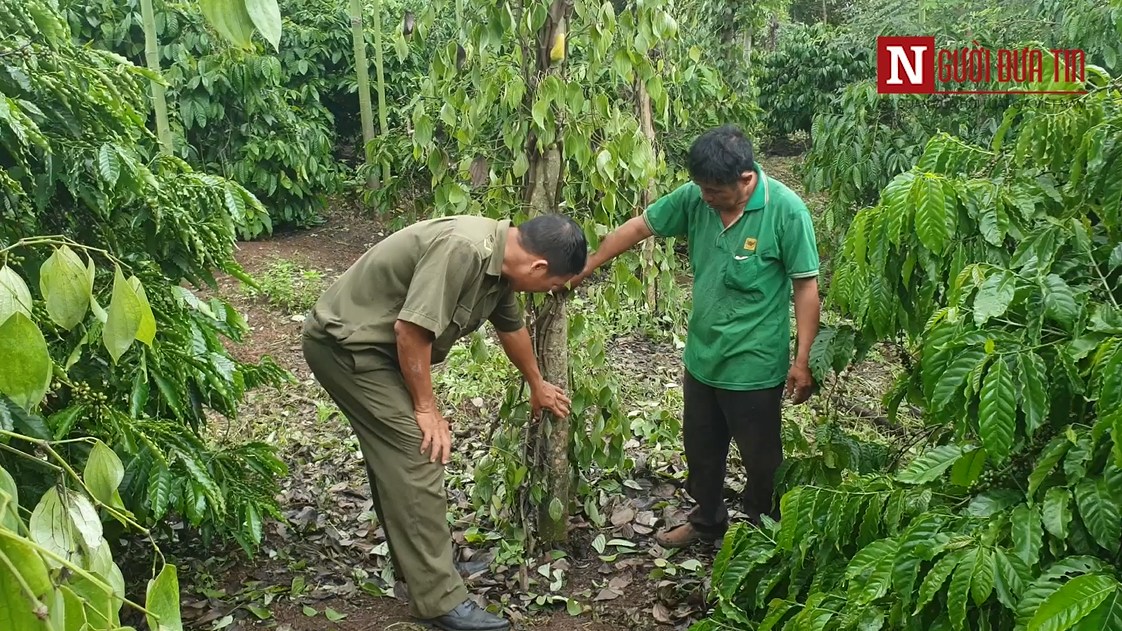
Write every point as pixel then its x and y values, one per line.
pixel 712 418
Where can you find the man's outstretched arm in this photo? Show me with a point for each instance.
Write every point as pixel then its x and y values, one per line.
pixel 617 242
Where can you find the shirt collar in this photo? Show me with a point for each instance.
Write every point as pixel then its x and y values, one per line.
pixel 495 264
pixel 759 196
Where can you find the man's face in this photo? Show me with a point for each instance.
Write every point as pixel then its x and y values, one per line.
pixel 728 198
pixel 535 278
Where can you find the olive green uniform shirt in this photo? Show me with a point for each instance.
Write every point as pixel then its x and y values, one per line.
pixel 444 275
pixel 739 333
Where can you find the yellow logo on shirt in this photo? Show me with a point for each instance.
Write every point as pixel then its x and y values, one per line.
pixel 750 244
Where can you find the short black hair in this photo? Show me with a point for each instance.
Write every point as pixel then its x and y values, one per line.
pixel 557 239
pixel 720 155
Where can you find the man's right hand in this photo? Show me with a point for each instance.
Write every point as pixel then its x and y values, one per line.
pixel 436 435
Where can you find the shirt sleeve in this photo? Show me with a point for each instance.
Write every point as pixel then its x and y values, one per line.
pixel 442 275
pixel 507 316
pixel 669 216
pixel 800 248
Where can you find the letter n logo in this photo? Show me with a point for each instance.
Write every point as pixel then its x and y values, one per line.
pixel 906 65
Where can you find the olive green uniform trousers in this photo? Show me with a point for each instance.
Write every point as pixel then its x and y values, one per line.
pixel 407 489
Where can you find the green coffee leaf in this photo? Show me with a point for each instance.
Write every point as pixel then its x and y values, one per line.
pixel 162 601
pixel 1071 602
pixel 1034 395
pixel 14 294
pixel 1059 300
pixel 931 464
pixel 66 286
pixel 266 16
pixel 994 296
pixel 1057 512
pixel 997 420
pixel 1100 512
pixel 1028 533
pixel 1107 615
pixel 108 164
pixel 125 315
pixel 25 372
pixel 967 468
pixel 932 211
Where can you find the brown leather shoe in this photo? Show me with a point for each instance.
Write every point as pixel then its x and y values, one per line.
pixel 683 536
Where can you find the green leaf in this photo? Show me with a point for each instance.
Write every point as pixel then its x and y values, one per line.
pixel 997 420
pixel 125 315
pixel 266 16
pixel 967 468
pixel 103 474
pixel 25 372
pixel 1100 512
pixel 931 222
pixel 17 609
pixel 162 601
pixel 994 296
pixel 931 464
pixel 1071 602
pixel 953 378
pixel 1107 615
pixel 14 294
pixel 539 110
pixel 935 579
pixel 1059 300
pixel 146 331
pixel 50 526
pixel 1010 574
pixel 1034 395
pixel 108 164
pixel 66 286
pixel 521 165
pixel 573 607
pixel 555 509
pixel 1028 533
pixel 9 502
pixel 231 19
pixel 333 615
pixel 1057 512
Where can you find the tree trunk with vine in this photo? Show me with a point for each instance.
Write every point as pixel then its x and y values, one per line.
pixel 542 193
pixel 646 197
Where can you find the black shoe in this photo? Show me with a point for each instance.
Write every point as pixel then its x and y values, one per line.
pixel 467 616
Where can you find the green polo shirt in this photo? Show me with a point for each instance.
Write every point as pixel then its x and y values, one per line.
pixel 443 274
pixel 739 335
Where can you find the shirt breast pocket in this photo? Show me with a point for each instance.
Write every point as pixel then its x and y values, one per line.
pixel 743 273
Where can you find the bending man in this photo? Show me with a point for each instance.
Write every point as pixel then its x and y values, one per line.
pixel 371 341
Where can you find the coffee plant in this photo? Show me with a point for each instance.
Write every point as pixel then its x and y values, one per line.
pixel 234 111
pixel 826 61
pixel 999 266
pixel 124 229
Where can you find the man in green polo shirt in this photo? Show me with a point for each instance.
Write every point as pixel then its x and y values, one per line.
pixel 751 246
pixel 371 340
